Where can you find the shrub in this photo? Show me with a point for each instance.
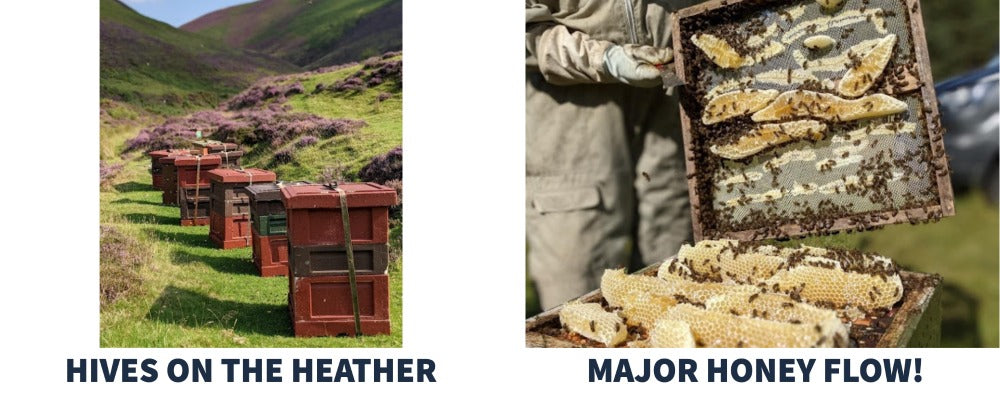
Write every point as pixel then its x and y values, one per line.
pixel 122 257
pixel 108 172
pixel 284 156
pixel 374 72
pixel 261 92
pixel 273 125
pixel 307 140
pixel 384 168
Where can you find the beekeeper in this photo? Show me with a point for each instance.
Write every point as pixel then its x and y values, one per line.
pixel 605 170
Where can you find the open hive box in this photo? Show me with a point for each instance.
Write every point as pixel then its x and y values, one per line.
pixel 800 117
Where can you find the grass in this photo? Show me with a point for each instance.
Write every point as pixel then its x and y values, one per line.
pixel 963 249
pixel 194 295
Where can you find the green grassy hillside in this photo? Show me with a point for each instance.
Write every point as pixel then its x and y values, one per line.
pixel 165 70
pixel 177 290
pixel 308 33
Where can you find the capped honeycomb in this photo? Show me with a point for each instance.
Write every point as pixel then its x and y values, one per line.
pixel 810 104
pixel 592 322
pixel 736 103
pixel 671 333
pixel 866 69
pixel 721 329
pixel 839 288
pixel 770 135
pixel 727 293
pixel 731 261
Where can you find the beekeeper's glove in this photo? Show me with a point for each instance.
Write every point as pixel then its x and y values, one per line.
pixel 635 65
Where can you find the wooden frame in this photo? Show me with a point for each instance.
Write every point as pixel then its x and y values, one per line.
pixel 946 206
pixel 917 322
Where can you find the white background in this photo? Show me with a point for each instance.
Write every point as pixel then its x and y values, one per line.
pixel 464 307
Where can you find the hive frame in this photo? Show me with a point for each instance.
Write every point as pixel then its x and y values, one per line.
pixel 946 207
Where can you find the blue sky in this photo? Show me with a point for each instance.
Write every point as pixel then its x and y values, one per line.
pixel 179 12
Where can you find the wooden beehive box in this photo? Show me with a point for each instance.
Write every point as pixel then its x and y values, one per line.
pixel 854 171
pixel 915 321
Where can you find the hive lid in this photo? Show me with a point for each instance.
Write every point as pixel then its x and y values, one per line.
pixel 270 191
pixel 172 155
pixel 359 194
pixel 859 169
pixel 246 175
pixel 215 146
pixel 156 154
pixel 193 160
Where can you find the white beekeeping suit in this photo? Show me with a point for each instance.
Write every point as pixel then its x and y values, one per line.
pixel 605 171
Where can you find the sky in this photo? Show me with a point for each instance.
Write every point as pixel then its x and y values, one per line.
pixel 179 12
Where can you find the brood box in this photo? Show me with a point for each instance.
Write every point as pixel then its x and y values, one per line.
pixel 270 254
pixel 790 126
pixel 914 321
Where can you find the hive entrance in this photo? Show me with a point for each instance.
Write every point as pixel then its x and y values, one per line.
pixel 802 120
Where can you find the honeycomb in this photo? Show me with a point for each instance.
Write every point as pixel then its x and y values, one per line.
pixel 774 307
pixel 619 288
pixel 840 288
pixel 724 55
pixel 730 293
pixel 860 77
pixel 592 322
pixel 723 260
pixel 671 333
pixel 736 103
pixel 644 308
pixel 722 329
pixel 806 103
pixel 770 135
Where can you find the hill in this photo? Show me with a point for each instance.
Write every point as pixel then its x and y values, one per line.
pixel 308 33
pixel 164 70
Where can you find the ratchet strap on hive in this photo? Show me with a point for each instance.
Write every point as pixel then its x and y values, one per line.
pixel 247 214
pixel 351 275
pixel 197 185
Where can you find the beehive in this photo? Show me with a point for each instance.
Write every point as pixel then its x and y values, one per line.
pixel 317 240
pixel 229 153
pixel 268 227
pixel 168 176
pixel 156 167
pixel 801 119
pixel 230 205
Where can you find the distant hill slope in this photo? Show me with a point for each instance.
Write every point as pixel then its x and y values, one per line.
pixel 308 33
pixel 166 70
